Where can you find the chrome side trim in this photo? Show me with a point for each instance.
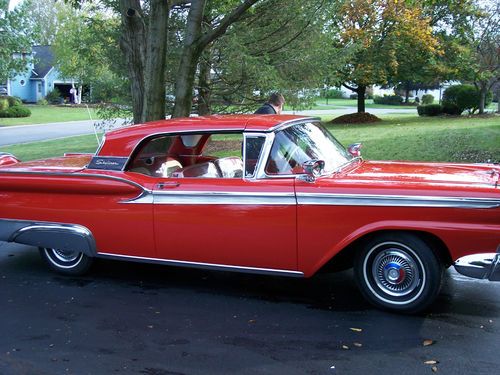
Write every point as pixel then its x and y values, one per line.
pixel 85 175
pixel 288 123
pixel 209 266
pixel 60 236
pixel 212 197
pixel 394 201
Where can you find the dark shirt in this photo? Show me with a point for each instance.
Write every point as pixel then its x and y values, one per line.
pixel 266 109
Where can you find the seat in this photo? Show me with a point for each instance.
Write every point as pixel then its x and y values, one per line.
pixel 168 167
pixel 206 170
pixel 230 167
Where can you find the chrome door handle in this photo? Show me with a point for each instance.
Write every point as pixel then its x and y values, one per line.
pixel 167 185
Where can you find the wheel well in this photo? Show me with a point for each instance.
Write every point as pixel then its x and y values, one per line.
pixel 345 258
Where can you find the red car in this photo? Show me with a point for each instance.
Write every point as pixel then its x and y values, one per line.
pixel 286 199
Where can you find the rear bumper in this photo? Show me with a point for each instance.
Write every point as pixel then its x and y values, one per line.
pixel 480 266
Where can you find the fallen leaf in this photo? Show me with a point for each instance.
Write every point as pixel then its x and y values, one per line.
pixel 434 368
pixel 357 345
pixel 345 347
pixel 431 362
pixel 428 342
pixel 356 329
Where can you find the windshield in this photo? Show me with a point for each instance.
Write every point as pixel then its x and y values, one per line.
pixel 297 144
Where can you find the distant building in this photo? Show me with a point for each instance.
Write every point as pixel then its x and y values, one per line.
pixel 39 79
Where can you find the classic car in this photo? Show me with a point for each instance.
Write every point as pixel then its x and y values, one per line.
pixel 282 197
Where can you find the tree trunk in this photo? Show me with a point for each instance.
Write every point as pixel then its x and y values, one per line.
pixel 189 60
pixel 132 44
pixel 482 97
pixel 154 72
pixel 407 92
pixel 361 91
pixel 204 85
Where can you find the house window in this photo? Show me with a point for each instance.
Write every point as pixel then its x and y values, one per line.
pixel 22 82
pixel 39 88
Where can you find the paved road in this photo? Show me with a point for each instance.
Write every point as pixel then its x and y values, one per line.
pixel 31 133
pixel 128 318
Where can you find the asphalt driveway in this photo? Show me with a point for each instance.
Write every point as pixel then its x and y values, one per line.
pixel 126 318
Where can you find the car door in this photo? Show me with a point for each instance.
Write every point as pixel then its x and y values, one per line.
pixel 227 222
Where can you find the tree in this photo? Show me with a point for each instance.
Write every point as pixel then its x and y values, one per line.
pixel 486 53
pixel 267 51
pixel 376 38
pixel 16 38
pixel 80 50
pixel 47 17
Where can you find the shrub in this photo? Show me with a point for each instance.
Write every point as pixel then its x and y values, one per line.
pixel 16 111
pixel 429 110
pixel 54 97
pixel 334 94
pixel 451 109
pixel 353 96
pixel 4 104
pixel 14 100
pixel 459 98
pixel 42 102
pixel 427 99
pixel 388 99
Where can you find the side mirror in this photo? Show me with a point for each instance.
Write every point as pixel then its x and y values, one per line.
pixel 355 149
pixel 313 168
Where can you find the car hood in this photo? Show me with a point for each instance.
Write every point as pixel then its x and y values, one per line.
pixel 426 173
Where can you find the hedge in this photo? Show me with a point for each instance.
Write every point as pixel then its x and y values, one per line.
pixel 15 111
pixel 429 110
pixel 388 99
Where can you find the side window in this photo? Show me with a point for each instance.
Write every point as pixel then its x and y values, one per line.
pixel 152 158
pixel 253 149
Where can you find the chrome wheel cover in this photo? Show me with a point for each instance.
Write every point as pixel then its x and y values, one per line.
pixel 65 256
pixel 394 273
pixel 66 259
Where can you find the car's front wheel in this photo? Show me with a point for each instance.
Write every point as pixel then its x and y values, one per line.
pixel 398 272
pixel 66 262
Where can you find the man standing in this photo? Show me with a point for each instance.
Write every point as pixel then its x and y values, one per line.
pixel 273 106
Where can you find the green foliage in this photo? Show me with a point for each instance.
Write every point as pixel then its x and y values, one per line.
pixel 334 94
pixel 451 109
pixel 54 97
pixel 14 100
pixel 42 102
pixel 15 111
pixel 429 110
pixel 16 36
pixel 427 99
pixel 4 104
pixel 388 99
pixel 460 98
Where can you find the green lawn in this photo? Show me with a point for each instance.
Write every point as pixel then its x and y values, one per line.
pixel 42 114
pixel 397 137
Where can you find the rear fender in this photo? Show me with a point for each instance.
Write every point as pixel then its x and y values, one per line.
pixel 71 237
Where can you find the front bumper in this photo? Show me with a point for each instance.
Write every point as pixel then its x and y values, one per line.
pixel 480 266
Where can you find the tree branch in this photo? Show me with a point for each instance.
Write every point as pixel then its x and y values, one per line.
pixel 231 18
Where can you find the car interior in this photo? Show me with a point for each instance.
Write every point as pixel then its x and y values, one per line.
pixel 181 157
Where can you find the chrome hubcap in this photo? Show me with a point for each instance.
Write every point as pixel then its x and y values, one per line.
pixel 65 256
pixel 395 272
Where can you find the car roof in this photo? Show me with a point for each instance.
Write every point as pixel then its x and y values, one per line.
pixel 122 142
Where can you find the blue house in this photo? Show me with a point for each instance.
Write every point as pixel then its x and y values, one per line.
pixel 39 79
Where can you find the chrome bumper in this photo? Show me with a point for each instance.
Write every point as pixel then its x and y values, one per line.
pixel 480 266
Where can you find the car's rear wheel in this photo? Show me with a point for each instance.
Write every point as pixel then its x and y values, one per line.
pixel 66 262
pixel 398 272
